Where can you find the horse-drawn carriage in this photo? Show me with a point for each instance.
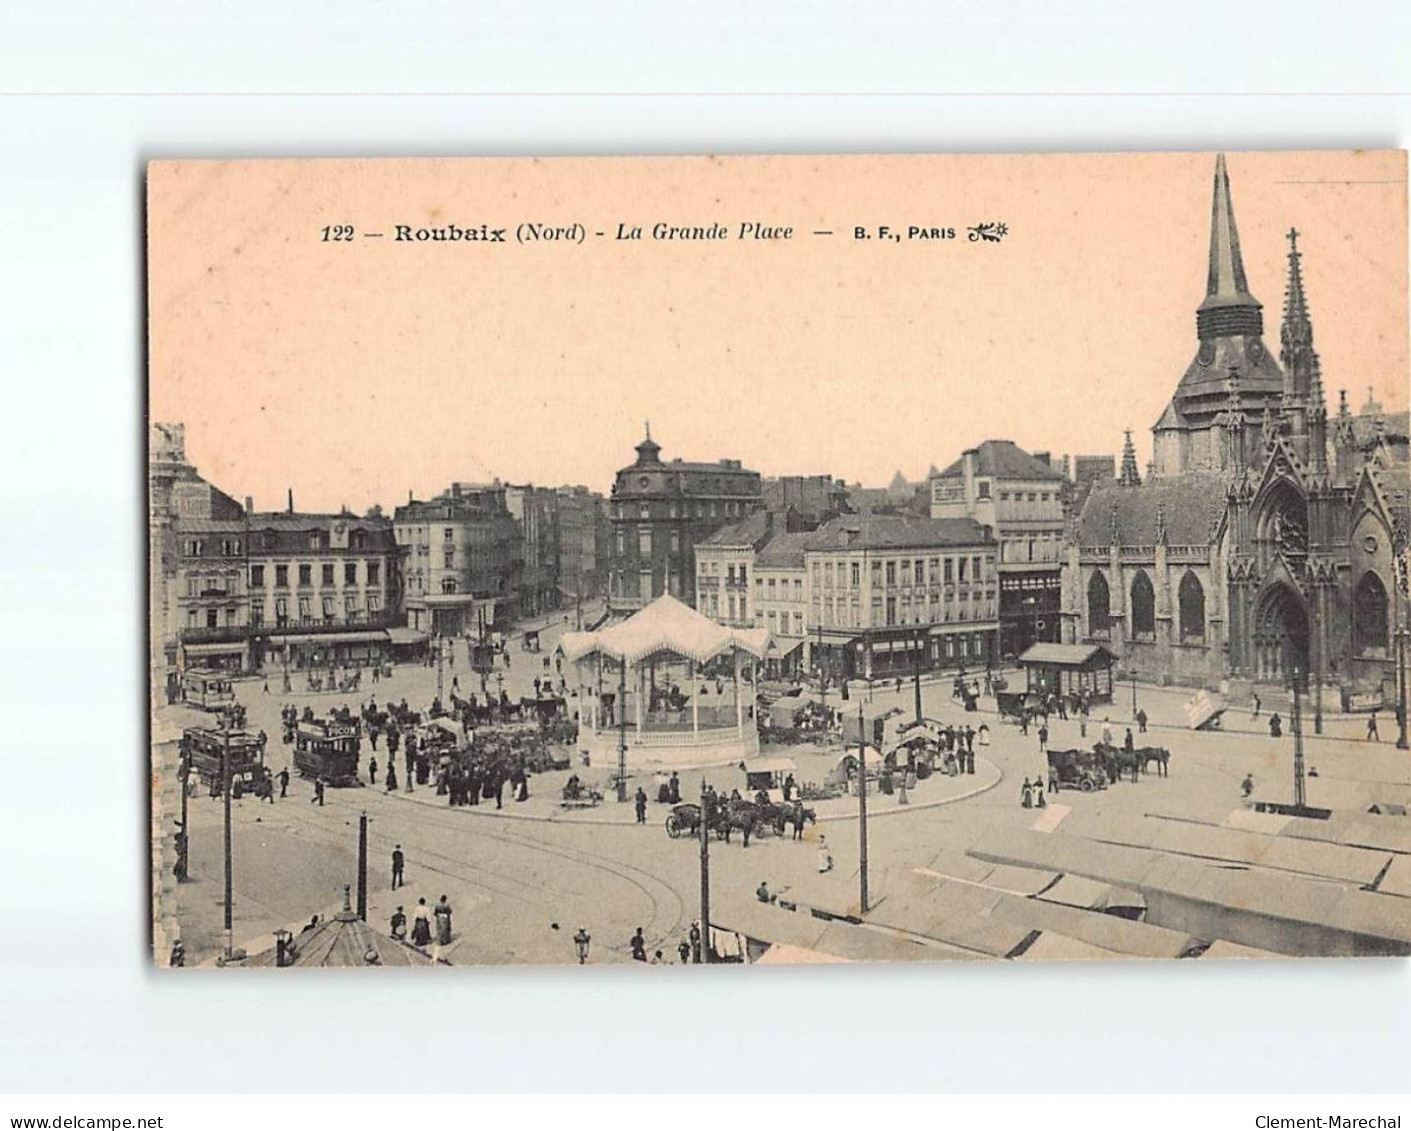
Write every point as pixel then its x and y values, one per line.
pixel 731 814
pixel 1085 770
pixel 206 748
pixel 1016 706
pixel 328 749
pixel 1120 760
pixel 768 776
pixel 530 641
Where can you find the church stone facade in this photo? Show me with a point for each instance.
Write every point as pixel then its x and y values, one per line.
pixel 1264 543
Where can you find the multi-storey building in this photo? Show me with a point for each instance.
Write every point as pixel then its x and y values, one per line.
pixel 323 588
pixel 464 557
pixel 814 498
pixel 660 512
pixel 582 542
pixel 1020 499
pixel 889 593
pixel 780 603
pixel 536 509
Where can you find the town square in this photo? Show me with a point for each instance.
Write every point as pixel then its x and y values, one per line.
pixel 1147 701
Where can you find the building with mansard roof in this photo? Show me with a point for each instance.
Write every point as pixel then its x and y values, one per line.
pixel 1260 546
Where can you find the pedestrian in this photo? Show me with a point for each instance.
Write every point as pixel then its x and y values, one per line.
pixel 399 924
pixel 1106 732
pixel 1083 724
pixel 638 943
pixel 673 789
pixel 318 792
pixel 266 685
pixel 1043 740
pixel 1062 707
pixel 695 937
pixel 1372 735
pixel 399 864
pixel 683 948
pixel 1247 786
pixel 1256 706
pixel 1026 795
pixel 443 922
pixel 1127 743
pixel 825 857
pixel 1276 726
pixel 1039 800
pixel 641 800
pixel 421 924
pixel 372 770
pixel 1141 721
pixel 391 777
pixel 499 789
pixel 284 782
pixel 1023 721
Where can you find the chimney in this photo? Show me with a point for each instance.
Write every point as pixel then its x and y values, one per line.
pixel 968 463
pixel 1067 470
pixel 1045 458
pixel 291 500
pixel 249 504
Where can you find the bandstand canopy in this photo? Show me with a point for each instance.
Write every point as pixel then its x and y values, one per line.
pixel 666 625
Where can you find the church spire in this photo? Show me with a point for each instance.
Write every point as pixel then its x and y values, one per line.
pixel 1129 477
pixel 1228 308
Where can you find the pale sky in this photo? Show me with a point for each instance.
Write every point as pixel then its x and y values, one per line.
pixel 355 371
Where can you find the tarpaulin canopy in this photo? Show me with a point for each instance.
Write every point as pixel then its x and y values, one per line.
pixel 666 625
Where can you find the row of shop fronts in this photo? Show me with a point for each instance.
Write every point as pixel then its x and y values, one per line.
pixel 887 653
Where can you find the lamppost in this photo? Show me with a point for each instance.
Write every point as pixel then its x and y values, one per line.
pixel 183 838
pixel 622 733
pixel 862 809
pixel 581 942
pixel 1296 725
pixel 1403 592
pixel 1132 672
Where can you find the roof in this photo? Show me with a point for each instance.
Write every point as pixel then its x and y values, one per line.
pixel 1068 655
pixel 749 532
pixel 897 532
pixel 665 625
pixel 1190 506
pixel 783 551
pixel 343 941
pixel 1003 459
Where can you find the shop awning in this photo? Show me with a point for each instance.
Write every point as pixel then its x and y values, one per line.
pixel 379 637
pixel 229 648
pixel 781 648
pixel 403 635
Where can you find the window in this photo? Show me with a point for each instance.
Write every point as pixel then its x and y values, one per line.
pixel 674 509
pixel 673 584
pixel 281 609
pixel 982 488
pixel 193 547
pixel 360 539
pixel 975 567
pixel 645 512
pixel 919 571
pixel 327 573
pixel 856 575
pixel 960 571
pixel 621 547
pixel 212 618
pixel 771 592
pixel 644 540
pixel 675 541
pixel 891 610
pixel 374 603
pixel 314 541
pixel 1099 605
pixel 257 577
pixel 798 585
pixel 742 575
pixel 328 608
pixel 906 572
pixel 449 559
pixel 305 608
pixel 1143 608
pixel 193 586
pixel 230 547
pixel 306 575
pixel 257 613
pixel 891 574
pixel 374 572
pixel 350 573
pixel 350 606
pixel 1369 616
pixel 817 575
pixel 644 583
pixel 798 624
pixel 949 576
pixel 730 604
pixel 448 534
pixel 1192 602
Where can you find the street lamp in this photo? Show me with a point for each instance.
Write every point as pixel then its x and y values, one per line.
pixel 580 943
pixel 282 949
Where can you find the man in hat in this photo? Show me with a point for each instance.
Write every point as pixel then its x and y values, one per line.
pixel 399 864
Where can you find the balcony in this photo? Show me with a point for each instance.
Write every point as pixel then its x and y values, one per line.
pixel 307 625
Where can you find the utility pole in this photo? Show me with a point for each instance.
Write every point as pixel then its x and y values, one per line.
pixel 183 855
pixel 440 674
pixel 622 733
pixel 705 871
pixel 921 635
pixel 822 677
pixel 862 810
pixel 362 866
pixel 1403 591
pixel 229 866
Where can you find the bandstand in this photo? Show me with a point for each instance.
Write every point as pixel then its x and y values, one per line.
pixel 676 687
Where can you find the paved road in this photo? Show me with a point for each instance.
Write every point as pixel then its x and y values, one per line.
pixel 511 881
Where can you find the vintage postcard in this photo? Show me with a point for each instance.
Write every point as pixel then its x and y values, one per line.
pixel 750 560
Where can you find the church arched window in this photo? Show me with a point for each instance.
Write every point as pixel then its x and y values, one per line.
pixel 1099 607
pixel 1369 616
pixel 1143 608
pixel 1192 600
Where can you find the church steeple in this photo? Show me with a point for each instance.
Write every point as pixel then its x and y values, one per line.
pixel 1303 379
pixel 1228 308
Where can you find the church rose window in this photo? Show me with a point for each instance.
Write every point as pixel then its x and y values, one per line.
pixel 1192 601
pixel 1143 608
pixel 1098 606
pixel 1369 616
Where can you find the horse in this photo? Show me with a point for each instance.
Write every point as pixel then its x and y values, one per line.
pixel 1158 754
pixel 743 815
pixel 1118 760
pixel 798 816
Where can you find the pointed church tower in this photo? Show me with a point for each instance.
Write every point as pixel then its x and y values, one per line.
pixel 1304 407
pixel 1229 324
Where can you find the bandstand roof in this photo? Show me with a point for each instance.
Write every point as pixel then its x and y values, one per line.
pixel 666 625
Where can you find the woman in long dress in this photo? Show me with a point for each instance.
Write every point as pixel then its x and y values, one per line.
pixel 421 924
pixel 1026 796
pixel 443 922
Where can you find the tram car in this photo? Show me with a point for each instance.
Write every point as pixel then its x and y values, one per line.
pixel 205 747
pixel 208 690
pixel 328 749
